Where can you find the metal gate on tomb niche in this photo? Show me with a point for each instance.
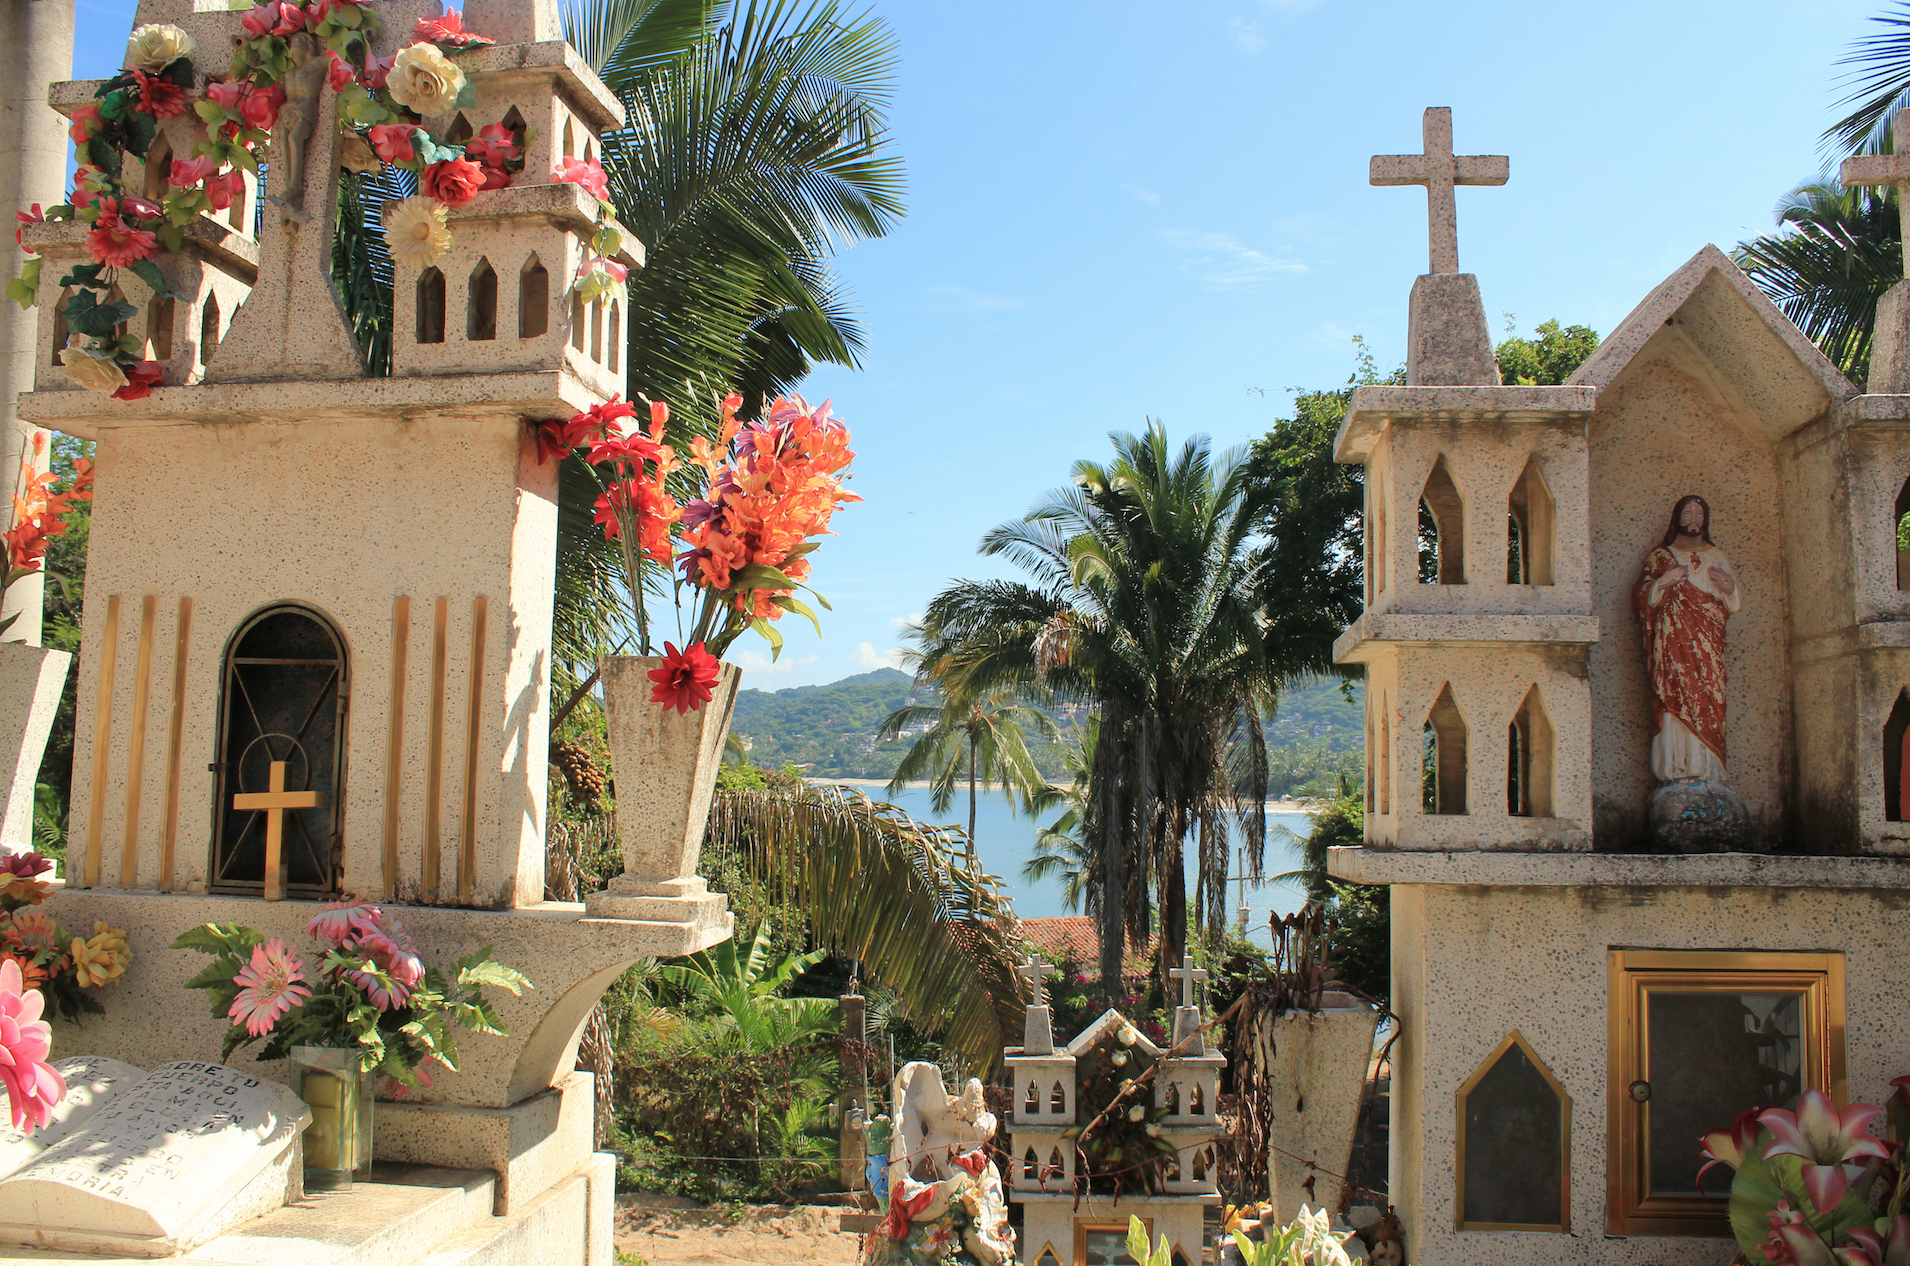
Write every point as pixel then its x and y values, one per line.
pixel 281 748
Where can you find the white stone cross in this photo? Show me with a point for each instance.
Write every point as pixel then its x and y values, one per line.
pixel 1891 170
pixel 1035 972
pixel 1189 976
pixel 1439 169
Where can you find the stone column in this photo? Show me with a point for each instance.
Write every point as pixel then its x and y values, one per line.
pixel 36 51
pixel 852 1153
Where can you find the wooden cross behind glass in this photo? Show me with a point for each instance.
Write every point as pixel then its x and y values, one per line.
pixel 273 802
pixel 1439 169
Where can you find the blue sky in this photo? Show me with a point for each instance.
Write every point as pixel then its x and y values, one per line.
pixel 1120 211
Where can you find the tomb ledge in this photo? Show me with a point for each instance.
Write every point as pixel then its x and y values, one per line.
pixel 1377 630
pixel 597 103
pixel 565 204
pixel 531 393
pixel 1374 407
pixel 1500 869
pixel 1874 412
pixel 205 231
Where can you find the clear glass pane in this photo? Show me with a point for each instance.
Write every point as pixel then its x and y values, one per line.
pixel 1713 1055
pixel 1107 1248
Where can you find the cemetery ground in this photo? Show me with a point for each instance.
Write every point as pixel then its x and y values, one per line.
pixel 672 1231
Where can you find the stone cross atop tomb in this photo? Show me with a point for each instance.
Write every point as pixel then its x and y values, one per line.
pixel 1448 342
pixel 1890 351
pixel 1187 1019
pixel 1038 1032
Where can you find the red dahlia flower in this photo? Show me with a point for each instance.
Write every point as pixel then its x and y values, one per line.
pixel 161 98
pixel 687 679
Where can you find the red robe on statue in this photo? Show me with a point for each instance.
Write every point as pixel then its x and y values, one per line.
pixel 1684 643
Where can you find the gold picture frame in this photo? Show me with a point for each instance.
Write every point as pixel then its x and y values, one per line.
pixel 1564 1226
pixel 1818 978
pixel 1082 1230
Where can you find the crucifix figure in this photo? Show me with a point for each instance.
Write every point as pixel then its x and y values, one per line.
pixel 1035 972
pixel 273 802
pixel 1885 170
pixel 296 118
pixel 1189 976
pixel 1439 169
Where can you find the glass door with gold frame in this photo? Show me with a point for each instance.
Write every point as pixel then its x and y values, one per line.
pixel 1696 1037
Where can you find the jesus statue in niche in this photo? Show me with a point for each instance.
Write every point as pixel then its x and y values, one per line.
pixel 1685 594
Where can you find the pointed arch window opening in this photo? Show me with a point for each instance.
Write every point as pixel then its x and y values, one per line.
pixel 533 299
pixel 480 322
pixel 1058 1101
pixel 1530 759
pixel 1442 529
pixel 1032 1103
pixel 208 328
pixel 1896 759
pixel 1443 772
pixel 1531 529
pixel 286 688
pixel 1901 523
pixel 431 306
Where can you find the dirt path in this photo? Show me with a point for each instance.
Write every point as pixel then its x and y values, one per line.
pixel 665 1231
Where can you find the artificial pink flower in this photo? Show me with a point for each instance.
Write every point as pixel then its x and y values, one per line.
pixel 453 182
pixel 260 108
pixel 271 984
pixel 494 146
pixel 392 141
pixel 587 174
pixel 225 188
pixel 686 680
pixel 392 952
pixel 188 172
pixel 35 216
pixel 140 208
pixel 33 1087
pixel 341 921
pixel 1728 1147
pixel 1830 1143
pixel 161 98
pixel 275 17
pixel 341 72
pixel 141 378
pixel 377 71
pixel 227 96
pixel 115 243
pixel 610 267
pixel 88 182
pixel 448 29
pixel 86 122
pixel 495 178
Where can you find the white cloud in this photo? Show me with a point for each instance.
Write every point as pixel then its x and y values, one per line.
pixel 1223 261
pixel 760 662
pixel 868 657
pixel 961 298
pixel 1246 35
pixel 904 623
pixel 1141 193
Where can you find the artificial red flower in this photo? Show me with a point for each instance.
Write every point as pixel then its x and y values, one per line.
pixel 378 71
pixel 225 188
pixel 227 96
pixel 453 182
pixel 341 72
pixel 35 216
pixel 161 98
pixel 494 146
pixel 587 174
pixel 115 243
pixel 142 208
pixel 687 678
pixel 556 437
pixel 495 178
pixel 88 181
pixel 140 380
pixel 275 17
pixel 86 122
pixel 448 29
pixel 260 107
pixel 392 141
pixel 186 173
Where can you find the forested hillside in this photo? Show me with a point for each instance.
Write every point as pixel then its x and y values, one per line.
pixel 829 731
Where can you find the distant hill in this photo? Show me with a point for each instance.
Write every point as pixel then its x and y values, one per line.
pixel 829 731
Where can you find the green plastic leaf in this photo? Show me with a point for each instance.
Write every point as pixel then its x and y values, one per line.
pixel 148 272
pixel 790 603
pixel 114 103
pixel 760 576
pixel 143 128
pixel 84 275
pixel 215 938
pixel 102 155
pixel 467 96
pixel 429 151
pixel 771 634
pixel 25 289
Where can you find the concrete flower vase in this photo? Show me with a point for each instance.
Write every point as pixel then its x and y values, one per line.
pixel 1319 1066
pixel 31 678
pixel 665 767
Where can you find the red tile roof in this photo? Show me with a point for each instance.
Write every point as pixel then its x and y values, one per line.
pixel 1070 939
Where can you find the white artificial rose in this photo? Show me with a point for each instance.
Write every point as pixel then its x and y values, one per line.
pixel 91 370
pixel 424 80
pixel 157 45
pixel 415 231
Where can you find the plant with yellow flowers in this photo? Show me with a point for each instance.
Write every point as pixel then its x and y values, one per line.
pixel 69 970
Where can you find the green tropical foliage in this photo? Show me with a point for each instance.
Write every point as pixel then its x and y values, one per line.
pixel 1835 252
pixel 982 738
pixel 1548 358
pixel 1878 82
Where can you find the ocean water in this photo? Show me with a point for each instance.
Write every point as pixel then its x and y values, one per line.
pixel 1005 842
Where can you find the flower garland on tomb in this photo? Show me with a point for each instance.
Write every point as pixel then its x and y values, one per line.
pixel 39 513
pixel 383 102
pixel 69 970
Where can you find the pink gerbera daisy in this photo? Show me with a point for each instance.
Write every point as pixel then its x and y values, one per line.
pixel 115 243
pixel 341 921
pixel 272 984
pixel 32 1085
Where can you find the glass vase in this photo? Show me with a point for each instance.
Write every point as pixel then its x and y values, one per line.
pixel 338 1141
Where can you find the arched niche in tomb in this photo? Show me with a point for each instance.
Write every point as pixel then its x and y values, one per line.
pixel 285 685
pixel 1895 753
pixel 1048 1257
pixel 1900 528
pixel 1531 528
pixel 1442 529
pixel 533 299
pixel 1514 1144
pixel 1531 757
pixel 1443 775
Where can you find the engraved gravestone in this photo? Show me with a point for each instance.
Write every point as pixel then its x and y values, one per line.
pixel 190 1150
pixel 89 1080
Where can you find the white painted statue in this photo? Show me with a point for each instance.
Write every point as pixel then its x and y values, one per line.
pixel 945 1197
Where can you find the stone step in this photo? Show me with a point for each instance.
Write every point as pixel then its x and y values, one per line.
pixel 858 1223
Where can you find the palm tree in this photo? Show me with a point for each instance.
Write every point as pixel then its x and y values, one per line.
pixel 876 886
pixel 1060 848
pixel 985 737
pixel 1835 252
pixel 1879 83
pixel 1147 602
